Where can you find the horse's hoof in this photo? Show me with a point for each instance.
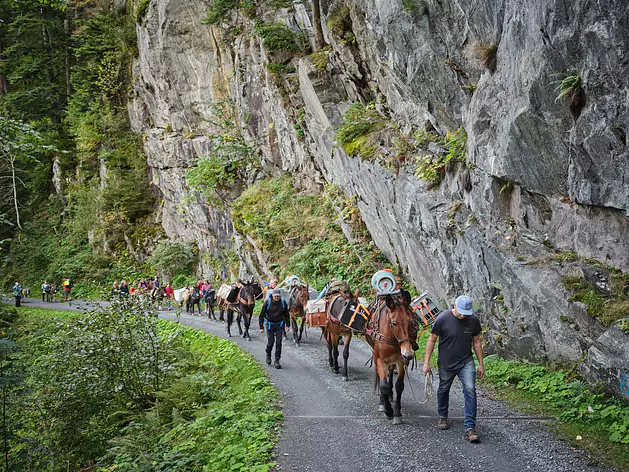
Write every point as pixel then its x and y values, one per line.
pixel 381 408
pixel 397 420
pixel 389 417
pixel 345 378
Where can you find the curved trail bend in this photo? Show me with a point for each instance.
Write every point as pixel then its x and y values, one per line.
pixel 332 425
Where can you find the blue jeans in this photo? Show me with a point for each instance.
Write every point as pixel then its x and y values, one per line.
pixel 467 375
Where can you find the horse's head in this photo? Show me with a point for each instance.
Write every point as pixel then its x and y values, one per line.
pixel 300 296
pixel 248 293
pixel 400 324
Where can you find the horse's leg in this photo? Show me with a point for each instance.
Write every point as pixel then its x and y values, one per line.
pixel 329 341
pixel 247 321
pixel 335 353
pixel 301 328
pixel 399 388
pixel 346 356
pixel 391 372
pixel 230 320
pixel 385 386
pixel 212 308
pixel 238 319
pixel 221 312
pixel 293 322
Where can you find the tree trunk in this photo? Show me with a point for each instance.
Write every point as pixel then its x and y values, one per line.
pixel 318 29
pixel 14 183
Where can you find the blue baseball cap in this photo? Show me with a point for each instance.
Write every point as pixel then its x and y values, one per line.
pixel 463 305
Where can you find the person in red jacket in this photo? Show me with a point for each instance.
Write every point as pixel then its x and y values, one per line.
pixel 170 293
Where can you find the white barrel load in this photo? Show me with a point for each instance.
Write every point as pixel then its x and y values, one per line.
pixel 383 282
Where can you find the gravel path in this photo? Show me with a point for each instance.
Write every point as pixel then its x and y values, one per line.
pixel 332 425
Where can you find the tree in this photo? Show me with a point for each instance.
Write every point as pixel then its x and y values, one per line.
pixel 318 29
pixel 171 258
pixel 19 145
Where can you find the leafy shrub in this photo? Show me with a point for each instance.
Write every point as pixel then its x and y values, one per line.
pixel 570 400
pixel 141 10
pixel 340 21
pixel 358 120
pixel 433 167
pixel 277 36
pixel 219 10
pixel 209 403
pixel 608 309
pixel 320 59
pixel 171 258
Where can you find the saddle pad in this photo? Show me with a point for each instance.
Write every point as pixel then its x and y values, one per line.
pixel 223 291
pixel 178 294
pixel 315 306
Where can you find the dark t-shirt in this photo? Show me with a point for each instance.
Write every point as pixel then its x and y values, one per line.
pixel 455 339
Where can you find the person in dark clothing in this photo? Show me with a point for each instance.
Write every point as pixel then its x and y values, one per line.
pixel 275 317
pixel 458 331
pixel 17 293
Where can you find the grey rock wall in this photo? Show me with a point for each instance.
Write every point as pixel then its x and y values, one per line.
pixel 543 173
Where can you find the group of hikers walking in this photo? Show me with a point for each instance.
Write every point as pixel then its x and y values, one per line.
pixel 48 291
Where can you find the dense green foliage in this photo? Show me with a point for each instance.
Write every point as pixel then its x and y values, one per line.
pixel 120 388
pixel 277 36
pixel 602 422
pixel 172 258
pixel 300 235
pixel 68 69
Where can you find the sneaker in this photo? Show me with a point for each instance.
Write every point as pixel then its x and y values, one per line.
pixel 277 364
pixel 443 423
pixel 268 359
pixel 471 435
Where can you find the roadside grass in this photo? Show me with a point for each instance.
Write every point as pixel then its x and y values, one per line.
pixel 217 411
pixel 590 421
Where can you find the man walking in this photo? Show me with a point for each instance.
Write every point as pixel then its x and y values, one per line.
pixel 17 293
pixel 458 330
pixel 275 312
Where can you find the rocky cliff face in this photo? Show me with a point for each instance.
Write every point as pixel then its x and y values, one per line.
pixel 542 175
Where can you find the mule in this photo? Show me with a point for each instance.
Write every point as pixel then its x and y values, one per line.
pixel 333 330
pixel 246 303
pixel 391 332
pixel 243 304
pixel 299 296
pixel 194 300
pixel 210 302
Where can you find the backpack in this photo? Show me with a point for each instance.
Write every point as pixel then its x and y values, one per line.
pixel 338 286
pixel 268 304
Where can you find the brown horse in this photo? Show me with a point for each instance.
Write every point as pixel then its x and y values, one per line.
pixel 299 296
pixel 391 332
pixel 333 330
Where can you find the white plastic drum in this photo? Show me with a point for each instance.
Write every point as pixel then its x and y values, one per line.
pixel 383 282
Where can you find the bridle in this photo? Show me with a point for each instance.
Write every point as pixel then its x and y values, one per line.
pixel 376 334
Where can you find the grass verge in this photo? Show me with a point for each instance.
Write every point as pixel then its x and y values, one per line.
pixel 589 421
pixel 215 411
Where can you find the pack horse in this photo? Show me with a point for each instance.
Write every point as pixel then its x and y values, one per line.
pixel 239 298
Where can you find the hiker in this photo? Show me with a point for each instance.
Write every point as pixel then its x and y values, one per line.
pixel 17 293
pixel 45 291
pixel 170 293
pixel 458 330
pixel 67 289
pixel 123 290
pixel 269 289
pixel 156 285
pixel 274 316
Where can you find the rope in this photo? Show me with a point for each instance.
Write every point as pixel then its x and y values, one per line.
pixel 429 390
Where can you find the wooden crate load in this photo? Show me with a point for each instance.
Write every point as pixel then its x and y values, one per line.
pixel 316 312
pixel 425 311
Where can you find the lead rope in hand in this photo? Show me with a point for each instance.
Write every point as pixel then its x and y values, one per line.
pixel 429 390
